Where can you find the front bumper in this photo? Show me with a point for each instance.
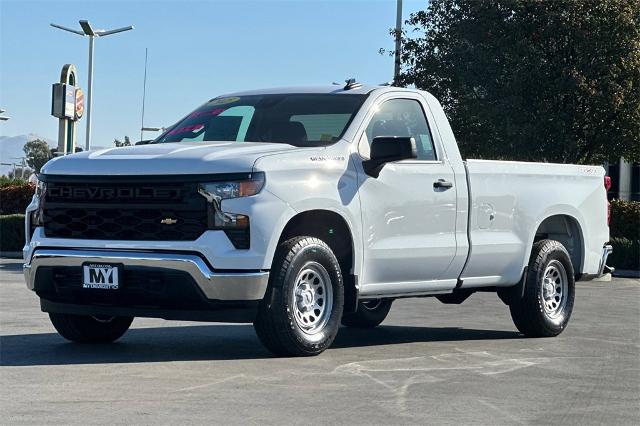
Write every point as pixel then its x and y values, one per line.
pixel 214 285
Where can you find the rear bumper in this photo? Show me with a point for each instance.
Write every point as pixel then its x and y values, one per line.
pixel 602 267
pixel 190 269
pixel 606 251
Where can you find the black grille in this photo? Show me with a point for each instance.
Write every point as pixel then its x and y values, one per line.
pixel 240 238
pixel 124 211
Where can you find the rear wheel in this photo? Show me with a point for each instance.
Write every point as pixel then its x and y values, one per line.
pixel 546 307
pixel 88 329
pixel 369 314
pixel 300 314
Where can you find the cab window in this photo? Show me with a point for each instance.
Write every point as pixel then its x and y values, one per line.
pixel 400 118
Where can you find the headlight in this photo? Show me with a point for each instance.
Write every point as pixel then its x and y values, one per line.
pixel 218 191
pixel 35 219
pixel 40 188
pixel 235 226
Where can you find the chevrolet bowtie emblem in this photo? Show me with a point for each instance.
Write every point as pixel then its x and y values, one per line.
pixel 169 221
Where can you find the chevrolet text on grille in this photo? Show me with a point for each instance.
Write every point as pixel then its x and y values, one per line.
pixel 113 193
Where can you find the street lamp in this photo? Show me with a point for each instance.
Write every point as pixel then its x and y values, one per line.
pixel 87 30
pixel 3 117
pixel 398 34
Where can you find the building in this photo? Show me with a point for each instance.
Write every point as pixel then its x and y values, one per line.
pixel 625 180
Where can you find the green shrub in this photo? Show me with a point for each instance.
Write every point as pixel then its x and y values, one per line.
pixel 11 232
pixel 626 254
pixel 8 181
pixel 15 198
pixel 625 219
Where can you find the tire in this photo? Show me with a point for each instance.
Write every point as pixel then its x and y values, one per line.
pixel 300 314
pixel 369 314
pixel 549 293
pixel 88 329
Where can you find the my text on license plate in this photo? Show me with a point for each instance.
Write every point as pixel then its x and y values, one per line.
pixel 100 276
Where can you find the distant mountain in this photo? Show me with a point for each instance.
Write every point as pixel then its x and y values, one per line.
pixel 11 149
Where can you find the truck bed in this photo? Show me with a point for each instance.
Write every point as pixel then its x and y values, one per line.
pixel 507 200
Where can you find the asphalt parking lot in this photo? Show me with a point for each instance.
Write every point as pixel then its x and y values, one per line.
pixel 427 363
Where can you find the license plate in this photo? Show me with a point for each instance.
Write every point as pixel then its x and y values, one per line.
pixel 100 276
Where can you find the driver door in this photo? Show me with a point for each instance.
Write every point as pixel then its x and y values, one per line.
pixel 408 223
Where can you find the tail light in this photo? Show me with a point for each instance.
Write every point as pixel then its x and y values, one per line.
pixel 607 186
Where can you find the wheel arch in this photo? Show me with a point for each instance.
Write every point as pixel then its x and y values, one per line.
pixel 335 230
pixel 565 227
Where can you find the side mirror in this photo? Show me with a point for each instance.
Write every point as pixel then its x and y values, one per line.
pixel 387 149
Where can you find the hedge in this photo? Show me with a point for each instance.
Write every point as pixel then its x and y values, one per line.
pixel 15 198
pixel 625 219
pixel 7 181
pixel 626 254
pixel 625 234
pixel 12 232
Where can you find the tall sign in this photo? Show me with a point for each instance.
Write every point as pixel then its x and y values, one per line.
pixel 67 104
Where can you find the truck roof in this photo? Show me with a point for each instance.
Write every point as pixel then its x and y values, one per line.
pixel 328 89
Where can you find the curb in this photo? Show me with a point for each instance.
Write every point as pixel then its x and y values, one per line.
pixel 626 273
pixel 603 278
pixel 11 254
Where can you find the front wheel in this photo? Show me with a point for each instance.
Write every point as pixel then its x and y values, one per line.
pixel 369 314
pixel 300 314
pixel 546 307
pixel 88 329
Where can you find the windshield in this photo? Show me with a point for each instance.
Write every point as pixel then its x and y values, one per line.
pixel 295 119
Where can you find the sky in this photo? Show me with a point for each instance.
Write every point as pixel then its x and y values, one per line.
pixel 197 50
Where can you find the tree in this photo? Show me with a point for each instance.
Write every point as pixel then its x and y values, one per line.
pixel 37 153
pixel 118 143
pixel 532 80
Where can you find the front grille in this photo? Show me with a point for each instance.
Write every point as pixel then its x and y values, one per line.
pixel 124 211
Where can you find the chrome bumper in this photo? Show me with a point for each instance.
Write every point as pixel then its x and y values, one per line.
pixel 606 251
pixel 214 285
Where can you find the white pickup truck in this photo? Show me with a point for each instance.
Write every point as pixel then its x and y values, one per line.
pixel 299 209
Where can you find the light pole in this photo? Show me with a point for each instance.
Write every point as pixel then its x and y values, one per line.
pixel 398 34
pixel 87 30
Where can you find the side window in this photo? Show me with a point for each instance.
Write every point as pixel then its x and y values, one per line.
pixel 400 117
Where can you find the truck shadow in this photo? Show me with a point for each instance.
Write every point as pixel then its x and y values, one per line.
pixel 206 342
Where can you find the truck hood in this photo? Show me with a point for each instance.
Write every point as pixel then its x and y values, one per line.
pixel 166 159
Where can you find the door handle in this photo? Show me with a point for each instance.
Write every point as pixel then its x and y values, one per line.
pixel 441 183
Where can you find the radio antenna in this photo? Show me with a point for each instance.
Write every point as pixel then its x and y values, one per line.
pixel 144 91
